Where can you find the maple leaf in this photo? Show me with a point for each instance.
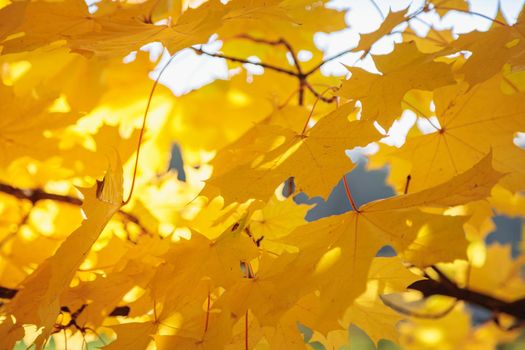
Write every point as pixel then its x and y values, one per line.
pixel 386 275
pixel 212 249
pixel 392 20
pixel 323 148
pixel 271 286
pixel 349 242
pixel 433 42
pixel 132 335
pixel 116 29
pixel 444 6
pixel 278 218
pixel 39 300
pixel 460 140
pixel 278 17
pixel 506 282
pixel 403 70
pixel 219 258
pixel 23 128
pixel 490 50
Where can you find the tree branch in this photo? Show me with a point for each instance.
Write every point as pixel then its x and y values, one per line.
pixel 299 74
pixel 241 60
pixel 10 293
pixel 446 287
pixel 281 41
pixel 35 195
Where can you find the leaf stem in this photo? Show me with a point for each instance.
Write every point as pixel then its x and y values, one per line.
pixel 246 331
pixel 319 97
pixel 144 119
pixel 349 195
pixel 280 41
pixel 407 184
pixel 422 114
pixel 207 314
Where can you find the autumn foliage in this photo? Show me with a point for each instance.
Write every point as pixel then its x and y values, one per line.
pixel 105 245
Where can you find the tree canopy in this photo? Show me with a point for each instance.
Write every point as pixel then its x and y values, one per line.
pixel 109 240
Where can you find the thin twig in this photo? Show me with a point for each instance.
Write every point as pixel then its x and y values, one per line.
pixel 241 60
pixel 472 13
pixel 331 58
pixel 299 74
pixel 319 97
pixel 294 56
pixel 280 41
pixel 378 9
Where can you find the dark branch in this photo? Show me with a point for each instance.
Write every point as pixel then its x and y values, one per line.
pixel 446 287
pixel 378 9
pixel 10 293
pixel 35 195
pixel 299 74
pixel 281 41
pixel 241 60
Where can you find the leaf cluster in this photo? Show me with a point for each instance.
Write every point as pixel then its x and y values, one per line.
pixel 101 240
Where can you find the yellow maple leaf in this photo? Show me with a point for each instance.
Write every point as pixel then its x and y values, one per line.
pixel 133 335
pixel 278 218
pixel 316 159
pixel 348 242
pixel 444 6
pixel 491 50
pixel 472 123
pixel 39 300
pixel 402 70
pixel 24 124
pixel 392 20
